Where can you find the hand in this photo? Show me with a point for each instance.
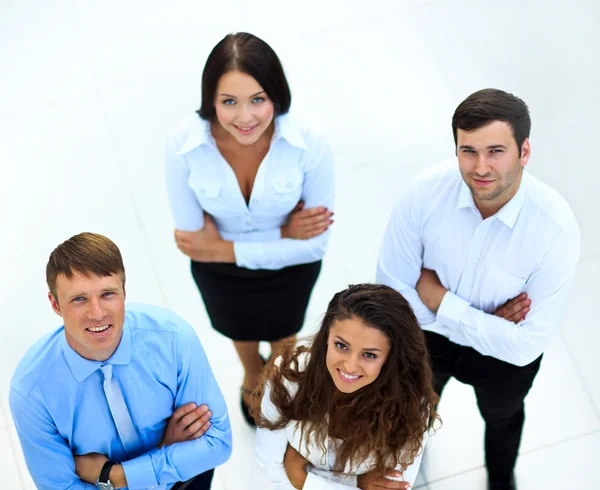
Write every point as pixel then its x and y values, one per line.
pixel 187 422
pixel 205 245
pixel 303 224
pixel 514 310
pixel 376 481
pixel 294 464
pixel 430 289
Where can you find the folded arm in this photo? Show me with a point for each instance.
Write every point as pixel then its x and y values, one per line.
pixel 47 454
pixel 548 289
pixel 184 460
pixel 318 189
pixel 401 256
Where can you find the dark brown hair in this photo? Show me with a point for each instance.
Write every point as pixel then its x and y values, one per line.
pixel 86 253
pixel 248 54
pixel 384 420
pixel 488 105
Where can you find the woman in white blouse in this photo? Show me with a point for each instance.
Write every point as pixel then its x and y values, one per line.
pixel 354 408
pixel 251 191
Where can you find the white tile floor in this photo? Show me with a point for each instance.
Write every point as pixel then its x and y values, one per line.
pixel 91 88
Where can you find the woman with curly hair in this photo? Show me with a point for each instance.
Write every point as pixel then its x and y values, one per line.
pixel 354 408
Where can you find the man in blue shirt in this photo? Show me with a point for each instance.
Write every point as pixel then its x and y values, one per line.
pixel 94 401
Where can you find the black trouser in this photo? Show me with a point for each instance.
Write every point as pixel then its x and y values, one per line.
pixel 500 388
pixel 201 482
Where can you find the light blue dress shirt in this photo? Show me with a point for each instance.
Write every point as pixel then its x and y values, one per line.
pixel 60 409
pixel 298 166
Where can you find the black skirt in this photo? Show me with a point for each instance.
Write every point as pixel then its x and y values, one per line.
pixel 255 305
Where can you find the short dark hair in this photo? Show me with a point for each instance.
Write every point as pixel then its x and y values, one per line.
pixel 488 105
pixel 248 54
pixel 86 253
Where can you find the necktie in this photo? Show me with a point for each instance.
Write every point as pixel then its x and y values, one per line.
pixel 120 414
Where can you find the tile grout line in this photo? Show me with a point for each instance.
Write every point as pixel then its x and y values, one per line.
pixel 580 375
pixel 533 451
pixel 12 445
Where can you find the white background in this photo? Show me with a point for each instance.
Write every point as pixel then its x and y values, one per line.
pixel 90 89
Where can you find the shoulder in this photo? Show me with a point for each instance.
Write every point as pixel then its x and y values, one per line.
pixel 550 204
pixel 442 173
pixel 154 320
pixel 39 362
pixel 302 133
pixel 190 128
pixel 433 186
pixel 292 386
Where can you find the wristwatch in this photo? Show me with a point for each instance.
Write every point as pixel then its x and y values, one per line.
pixel 103 483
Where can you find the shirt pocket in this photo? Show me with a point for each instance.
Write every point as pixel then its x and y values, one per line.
pixel 211 195
pixel 284 192
pixel 503 285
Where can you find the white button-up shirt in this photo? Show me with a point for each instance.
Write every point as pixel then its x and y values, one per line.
pixel 298 166
pixel 272 444
pixel 532 244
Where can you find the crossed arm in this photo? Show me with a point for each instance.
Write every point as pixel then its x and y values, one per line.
pixel 187 423
pixel 519 330
pixel 180 455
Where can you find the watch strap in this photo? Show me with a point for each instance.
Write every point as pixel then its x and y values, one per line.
pixel 105 472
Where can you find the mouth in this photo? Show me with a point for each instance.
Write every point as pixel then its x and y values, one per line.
pixel 245 130
pixel 100 330
pixel 483 183
pixel 348 378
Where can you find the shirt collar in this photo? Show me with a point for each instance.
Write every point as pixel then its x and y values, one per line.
pixel 82 368
pixel 509 212
pixel 198 134
pixel 285 127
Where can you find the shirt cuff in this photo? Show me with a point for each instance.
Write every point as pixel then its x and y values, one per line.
pixel 139 473
pixel 451 310
pixel 249 254
pixel 316 482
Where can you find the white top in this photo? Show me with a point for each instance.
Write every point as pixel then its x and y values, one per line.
pixel 298 166
pixel 532 244
pixel 271 446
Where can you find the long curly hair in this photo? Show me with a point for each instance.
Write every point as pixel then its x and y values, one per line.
pixel 382 423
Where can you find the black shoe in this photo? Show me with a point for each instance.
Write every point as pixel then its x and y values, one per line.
pixel 504 484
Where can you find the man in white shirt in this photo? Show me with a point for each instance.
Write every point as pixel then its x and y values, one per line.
pixel 486 254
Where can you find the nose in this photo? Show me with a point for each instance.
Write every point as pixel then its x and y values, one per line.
pixel 482 167
pixel 351 364
pixel 95 310
pixel 244 114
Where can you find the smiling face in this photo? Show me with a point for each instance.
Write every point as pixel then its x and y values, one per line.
pixel 93 310
pixel 490 164
pixel 243 108
pixel 356 353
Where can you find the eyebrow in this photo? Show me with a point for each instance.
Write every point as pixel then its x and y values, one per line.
pixel 112 289
pixel 234 97
pixel 371 349
pixel 490 147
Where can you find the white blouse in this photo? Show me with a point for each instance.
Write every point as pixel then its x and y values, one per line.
pixel 298 166
pixel 271 446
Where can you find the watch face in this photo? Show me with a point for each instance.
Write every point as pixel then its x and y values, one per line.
pixel 105 486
